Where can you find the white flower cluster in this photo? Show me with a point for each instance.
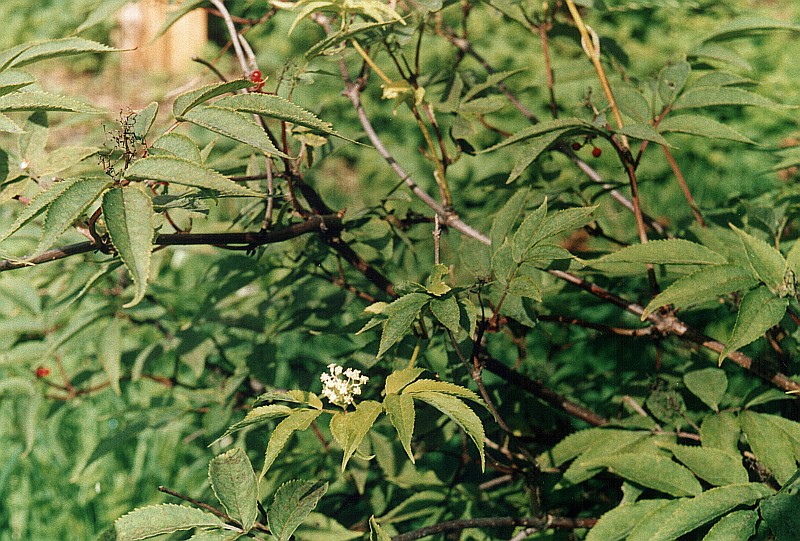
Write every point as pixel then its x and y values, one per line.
pixel 341 390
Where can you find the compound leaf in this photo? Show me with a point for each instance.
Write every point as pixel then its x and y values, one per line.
pixel 401 314
pixel 616 524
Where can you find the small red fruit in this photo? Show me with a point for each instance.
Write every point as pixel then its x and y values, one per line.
pixel 576 146
pixel 256 76
pixel 596 152
pixel 42 372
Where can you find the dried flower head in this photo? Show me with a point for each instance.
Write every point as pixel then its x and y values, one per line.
pixel 341 385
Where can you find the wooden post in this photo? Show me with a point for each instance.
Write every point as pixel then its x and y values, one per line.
pixel 172 52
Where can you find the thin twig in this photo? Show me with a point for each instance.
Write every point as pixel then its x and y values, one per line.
pixel 541 523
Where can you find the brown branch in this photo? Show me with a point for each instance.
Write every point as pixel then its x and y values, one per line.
pixel 543 523
pixel 622 331
pixel 684 187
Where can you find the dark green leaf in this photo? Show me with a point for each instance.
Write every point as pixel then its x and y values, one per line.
pixel 530 151
pixel 708 384
pixel 770 444
pixel 767 262
pixel 760 310
pixel 721 431
pixel 401 314
pixel 779 511
pixel 507 217
pixel 293 502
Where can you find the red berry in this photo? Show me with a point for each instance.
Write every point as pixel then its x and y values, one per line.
pixel 596 152
pixel 576 146
pixel 42 372
pixel 256 76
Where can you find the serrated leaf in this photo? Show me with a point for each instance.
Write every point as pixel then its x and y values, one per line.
pixel 375 528
pixel 397 380
pixel 435 284
pixel 609 442
pixel 790 428
pixel 401 314
pixel 293 502
pixel 28 53
pixel 767 262
pixel 656 472
pixel 759 311
pixel 507 216
pixel 747 26
pixel 525 286
pixel 238 126
pixel 293 395
pixel 340 36
pixel 214 534
pixel 721 431
pixel 176 144
pixel 234 484
pixel 779 511
pixel 644 132
pixel 736 526
pixel 68 207
pixel 718 53
pixel 444 387
pixel 617 523
pixel 155 520
pixel 299 419
pixel 460 413
pixel 526 235
pixel 44 101
pixel 770 444
pixel 706 284
pixel 703 127
pixel 400 409
pixel 571 446
pixel 793 258
pixel 8 125
pixel 109 350
pixel 144 120
pixel 12 80
pixel 691 513
pixel 273 106
pixel 180 171
pixel 712 465
pixel 349 428
pixel 446 310
pixel 61 159
pixel 530 151
pixel 188 100
pixel 563 221
pixel 653 520
pixel 258 415
pixel 706 96
pixel 670 251
pixel 128 212
pixel 103 13
pixel 671 80
pixel 708 384
pixel 722 78
pixel 569 125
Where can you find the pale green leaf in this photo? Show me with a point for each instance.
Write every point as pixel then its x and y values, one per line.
pixel 401 314
pixel 375 528
pixel 663 252
pixel 444 387
pixel 61 159
pixel 186 101
pixel 38 205
pixel 491 82
pixel 716 467
pixel 530 151
pixel 608 442
pixel 33 142
pixel 144 120
pixel 569 125
pixel 767 262
pixel 617 523
pixel 109 351
pixel 319 527
pixel 44 101
pixel 563 221
pixel 238 126
pixel 257 416
pixel 160 519
pixel 703 127
pixel 214 534
pixel 28 53
pixel 446 310
pixel 672 79
pixel 299 419
pixel 293 395
pixel 175 144
pixel 102 13
pixel 631 102
pixel 526 235
pixel 397 380
pixel 349 428
pixel 336 38
pixel 722 78
pixel 717 53
pixel 484 105
pixel 708 384
pixel 707 96
pixel 656 472
pixel 234 484
pixel 759 311
pixel 644 132
pixel 8 125
pixel 128 212
pixel 747 26
pixel 707 284
pixel 653 520
pixel 721 431
pixel 770 444
pixel 435 284
pixel 12 80
pixel 293 502
pixel 180 171
pixel 68 207
pixel 793 258
pixel 736 526
pixel 571 446
pixel 503 265
pixel 400 409
pixel 505 219
pixel 691 513
pixel 460 413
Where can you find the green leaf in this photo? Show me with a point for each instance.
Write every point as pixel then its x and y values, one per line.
pixel 645 132
pixel 8 125
pixel 705 285
pixel 319 527
pixel 144 120
pixel 160 519
pixel 273 106
pixel 259 415
pixel 400 409
pixel 793 258
pixel 462 415
pixel 616 524
pixel 188 100
pixel 401 314
pixel 103 13
pixel 38 205
pixel 790 428
pixel 712 465
pixel 33 142
pixel 703 127
pixel 444 387
pixel 68 207
pixel 643 531
pixel 631 102
pixel 295 396
pixel 571 446
pixel 238 126
pixel 736 526
pixel 663 252
pixel 12 80
pixel 747 26
pixel 44 101
pixel 446 310
pixel 435 284
pixel 767 262
pixel 175 144
pixel 692 513
pixel 526 235
pixel 215 534
pixel 505 219
pixel 397 380
pixel 563 221
pixel 671 80
pixel 375 528
pixel 779 511
pixel 62 158
pixel 530 151
pixel 337 37
pixel 707 96
pixel 180 171
pixel 770 444
pixel 708 384
pixel 656 472
pixel 109 350
pixel 349 428
pixel 128 212
pixel 293 502
pixel 721 431
pixel 569 125
pixel 607 442
pixel 759 311
pixel 525 286
pixel 717 53
pixel 299 419
pixel 28 53
pixel 234 484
